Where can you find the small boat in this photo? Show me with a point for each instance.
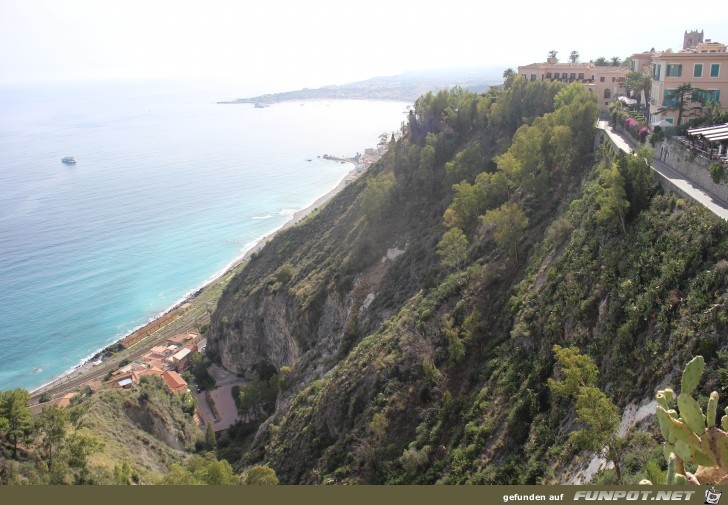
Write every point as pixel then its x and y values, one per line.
pixel 37 370
pixel 69 160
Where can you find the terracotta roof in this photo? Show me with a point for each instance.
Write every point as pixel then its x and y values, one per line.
pixel 174 381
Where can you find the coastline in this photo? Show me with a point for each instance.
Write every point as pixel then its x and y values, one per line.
pixel 86 365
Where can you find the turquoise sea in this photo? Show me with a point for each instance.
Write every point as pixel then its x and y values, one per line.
pixel 168 190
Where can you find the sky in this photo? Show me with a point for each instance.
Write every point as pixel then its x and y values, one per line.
pixel 278 45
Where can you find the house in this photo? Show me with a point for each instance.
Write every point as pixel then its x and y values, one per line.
pixel 180 359
pixel 182 338
pixel 125 381
pixel 174 381
pixel 65 400
pixel 704 67
pixel 201 346
pixel 606 82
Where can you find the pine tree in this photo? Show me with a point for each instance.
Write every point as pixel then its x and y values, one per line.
pixel 210 439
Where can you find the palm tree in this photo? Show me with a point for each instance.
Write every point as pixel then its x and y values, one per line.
pixel 639 82
pixel 616 61
pixel 601 62
pixel 509 75
pixel 574 56
pixel 552 56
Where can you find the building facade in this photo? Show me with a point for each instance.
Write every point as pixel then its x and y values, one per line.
pixel 606 82
pixel 705 68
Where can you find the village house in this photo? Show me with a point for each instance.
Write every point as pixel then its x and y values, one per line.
pixel 174 381
pixel 180 359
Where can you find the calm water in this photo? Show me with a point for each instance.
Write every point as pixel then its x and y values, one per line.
pixel 168 190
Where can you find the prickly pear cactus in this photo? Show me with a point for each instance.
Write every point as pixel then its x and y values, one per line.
pixel 691 436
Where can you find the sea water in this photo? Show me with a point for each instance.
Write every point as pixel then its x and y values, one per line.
pixel 168 189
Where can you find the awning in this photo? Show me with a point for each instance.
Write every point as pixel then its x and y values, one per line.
pixel 707 129
pixel 628 101
pixel 713 133
pixel 718 137
pixel 662 122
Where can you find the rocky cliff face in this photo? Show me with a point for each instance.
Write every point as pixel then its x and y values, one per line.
pixel 272 329
pixel 409 369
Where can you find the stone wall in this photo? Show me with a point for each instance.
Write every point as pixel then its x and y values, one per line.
pixel 666 184
pixel 694 167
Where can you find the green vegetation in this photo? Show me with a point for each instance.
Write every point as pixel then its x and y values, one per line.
pixel 544 287
pixel 518 236
pixel 594 410
pixel 114 437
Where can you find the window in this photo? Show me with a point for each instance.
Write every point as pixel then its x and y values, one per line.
pixel 533 77
pixel 698 70
pixel 564 75
pixel 671 98
pixel 673 71
pixel 715 70
pixel 601 79
pixel 656 72
pixel 581 76
pixel 706 95
pixel 670 120
pixel 572 75
pixel 548 75
pixel 607 93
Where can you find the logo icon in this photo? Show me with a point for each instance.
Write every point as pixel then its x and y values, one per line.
pixel 712 496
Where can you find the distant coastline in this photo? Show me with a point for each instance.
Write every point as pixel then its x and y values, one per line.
pixel 404 87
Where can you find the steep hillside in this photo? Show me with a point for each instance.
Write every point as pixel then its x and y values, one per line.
pixel 113 437
pixel 418 310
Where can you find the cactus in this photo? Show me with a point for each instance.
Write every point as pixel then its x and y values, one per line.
pixel 671 469
pixel 691 413
pixel 712 409
pixel 691 436
pixel 691 375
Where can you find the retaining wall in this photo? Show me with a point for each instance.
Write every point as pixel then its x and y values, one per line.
pixel 692 166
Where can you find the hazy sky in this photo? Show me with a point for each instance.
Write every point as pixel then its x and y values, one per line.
pixel 284 44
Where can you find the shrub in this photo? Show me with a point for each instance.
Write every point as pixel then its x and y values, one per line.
pixel 717 172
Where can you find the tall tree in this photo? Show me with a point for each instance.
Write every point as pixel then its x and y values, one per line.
pixel 574 56
pixel 639 82
pixel 453 248
pixel 14 407
pixel 508 222
pixel 681 99
pixel 616 61
pixel 601 62
pixel 594 410
pixel 52 425
pixel 611 196
pixel 552 56
pixel 210 439
pixel 509 75
pixel 376 198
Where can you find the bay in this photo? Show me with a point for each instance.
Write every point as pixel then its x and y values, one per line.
pixel 169 188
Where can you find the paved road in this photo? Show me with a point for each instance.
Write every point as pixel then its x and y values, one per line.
pixel 700 195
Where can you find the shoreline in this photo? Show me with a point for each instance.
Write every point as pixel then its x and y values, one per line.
pixel 87 365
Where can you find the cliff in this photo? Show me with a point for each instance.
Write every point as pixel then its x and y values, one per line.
pixel 419 359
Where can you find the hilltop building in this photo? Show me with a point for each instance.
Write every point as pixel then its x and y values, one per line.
pixel 607 82
pixel 702 64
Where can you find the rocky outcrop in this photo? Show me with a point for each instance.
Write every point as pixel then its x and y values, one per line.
pixel 274 329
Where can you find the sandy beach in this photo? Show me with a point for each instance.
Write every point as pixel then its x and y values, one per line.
pixel 186 315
